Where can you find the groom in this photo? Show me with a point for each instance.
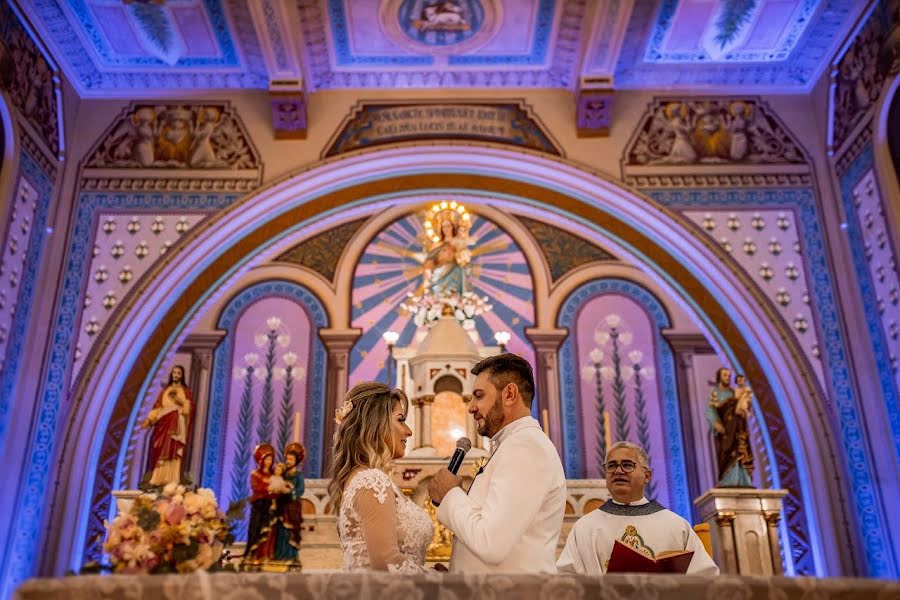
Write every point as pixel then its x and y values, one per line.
pixel 512 515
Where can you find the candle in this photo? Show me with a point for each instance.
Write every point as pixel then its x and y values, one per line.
pixel 606 430
pixel 297 426
pixel 546 418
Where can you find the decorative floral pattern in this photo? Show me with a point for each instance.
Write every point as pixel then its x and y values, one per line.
pixel 374 586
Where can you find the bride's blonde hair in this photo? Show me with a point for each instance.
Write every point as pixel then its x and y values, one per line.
pixel 365 436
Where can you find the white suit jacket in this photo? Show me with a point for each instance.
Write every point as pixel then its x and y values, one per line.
pixel 510 520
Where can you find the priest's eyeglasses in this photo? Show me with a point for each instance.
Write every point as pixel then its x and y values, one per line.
pixel 627 466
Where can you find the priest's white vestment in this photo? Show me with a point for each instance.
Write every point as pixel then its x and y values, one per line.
pixel 645 526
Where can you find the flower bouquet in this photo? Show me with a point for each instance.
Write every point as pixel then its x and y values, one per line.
pixel 175 531
pixel 428 308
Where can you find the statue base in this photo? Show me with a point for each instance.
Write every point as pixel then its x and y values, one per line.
pixel 271 566
pixel 744 527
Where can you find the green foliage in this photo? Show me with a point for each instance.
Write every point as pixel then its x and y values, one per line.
pixel 185 552
pixel 734 15
pixel 147 517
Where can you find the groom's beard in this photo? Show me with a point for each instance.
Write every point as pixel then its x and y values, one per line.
pixel 493 421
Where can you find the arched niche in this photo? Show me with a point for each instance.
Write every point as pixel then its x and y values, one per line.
pixel 694 273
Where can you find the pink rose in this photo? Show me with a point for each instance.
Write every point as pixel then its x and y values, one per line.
pixel 175 514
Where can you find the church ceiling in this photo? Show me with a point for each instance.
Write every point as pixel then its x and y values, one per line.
pixel 120 48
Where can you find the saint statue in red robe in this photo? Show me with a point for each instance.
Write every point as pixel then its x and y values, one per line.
pixel 170 419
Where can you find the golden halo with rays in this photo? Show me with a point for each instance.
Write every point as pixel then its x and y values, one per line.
pixel 439 212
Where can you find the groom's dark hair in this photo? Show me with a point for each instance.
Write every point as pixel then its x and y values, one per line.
pixel 507 368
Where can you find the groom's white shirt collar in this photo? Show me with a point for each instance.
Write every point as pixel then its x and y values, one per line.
pixel 511 428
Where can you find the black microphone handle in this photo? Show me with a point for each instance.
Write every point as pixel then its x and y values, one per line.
pixel 455 463
pixel 456 460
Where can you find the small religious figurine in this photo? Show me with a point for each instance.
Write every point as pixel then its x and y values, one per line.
pixel 290 506
pixel 170 419
pixel 727 414
pixel 261 530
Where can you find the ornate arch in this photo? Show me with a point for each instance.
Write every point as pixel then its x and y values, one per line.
pixel 218 248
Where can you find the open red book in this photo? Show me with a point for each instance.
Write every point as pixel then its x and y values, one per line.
pixel 626 560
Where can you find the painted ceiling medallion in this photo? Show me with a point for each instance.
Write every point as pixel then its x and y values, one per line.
pixel 440 26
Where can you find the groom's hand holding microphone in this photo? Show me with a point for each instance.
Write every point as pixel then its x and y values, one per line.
pixel 446 479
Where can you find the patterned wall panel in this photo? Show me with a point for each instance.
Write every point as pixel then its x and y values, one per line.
pixel 322 252
pixel 767 244
pixel 391 267
pixel 23 208
pixel 124 248
pixel 23 245
pixel 616 361
pixel 54 400
pixel 875 262
pixel 841 403
pixel 563 251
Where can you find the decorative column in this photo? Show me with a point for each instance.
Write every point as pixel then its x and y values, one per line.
pixel 687 346
pixel 425 426
pixel 338 343
pixel 201 347
pixel 417 422
pixel 772 519
pixel 744 524
pixel 546 344
pixel 725 531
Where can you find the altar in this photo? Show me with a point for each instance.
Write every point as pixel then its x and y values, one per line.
pixel 336 586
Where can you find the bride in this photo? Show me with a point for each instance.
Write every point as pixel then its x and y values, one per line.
pixel 379 527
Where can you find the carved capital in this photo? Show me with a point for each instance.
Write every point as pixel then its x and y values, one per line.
pixel 772 518
pixel 546 340
pixel 724 519
pixel 339 341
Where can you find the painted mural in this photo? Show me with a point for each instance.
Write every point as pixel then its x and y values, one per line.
pixel 268 398
pixel 393 268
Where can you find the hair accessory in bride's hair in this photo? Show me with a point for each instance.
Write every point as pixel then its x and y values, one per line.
pixel 342 411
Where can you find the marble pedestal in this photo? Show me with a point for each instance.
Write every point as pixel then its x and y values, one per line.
pixel 744 527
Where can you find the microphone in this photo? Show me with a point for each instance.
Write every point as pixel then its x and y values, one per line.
pixel 463 445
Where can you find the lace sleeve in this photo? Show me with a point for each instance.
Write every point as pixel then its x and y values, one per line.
pixel 376 509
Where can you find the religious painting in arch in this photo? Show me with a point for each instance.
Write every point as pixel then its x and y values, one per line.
pixel 619 390
pixel 442 255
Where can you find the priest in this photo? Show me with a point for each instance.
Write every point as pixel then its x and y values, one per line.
pixel 644 525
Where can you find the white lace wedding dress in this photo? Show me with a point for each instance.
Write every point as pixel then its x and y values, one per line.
pixel 380 528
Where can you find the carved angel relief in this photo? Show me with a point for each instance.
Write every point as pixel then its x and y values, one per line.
pixel 206 136
pixel 678 131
